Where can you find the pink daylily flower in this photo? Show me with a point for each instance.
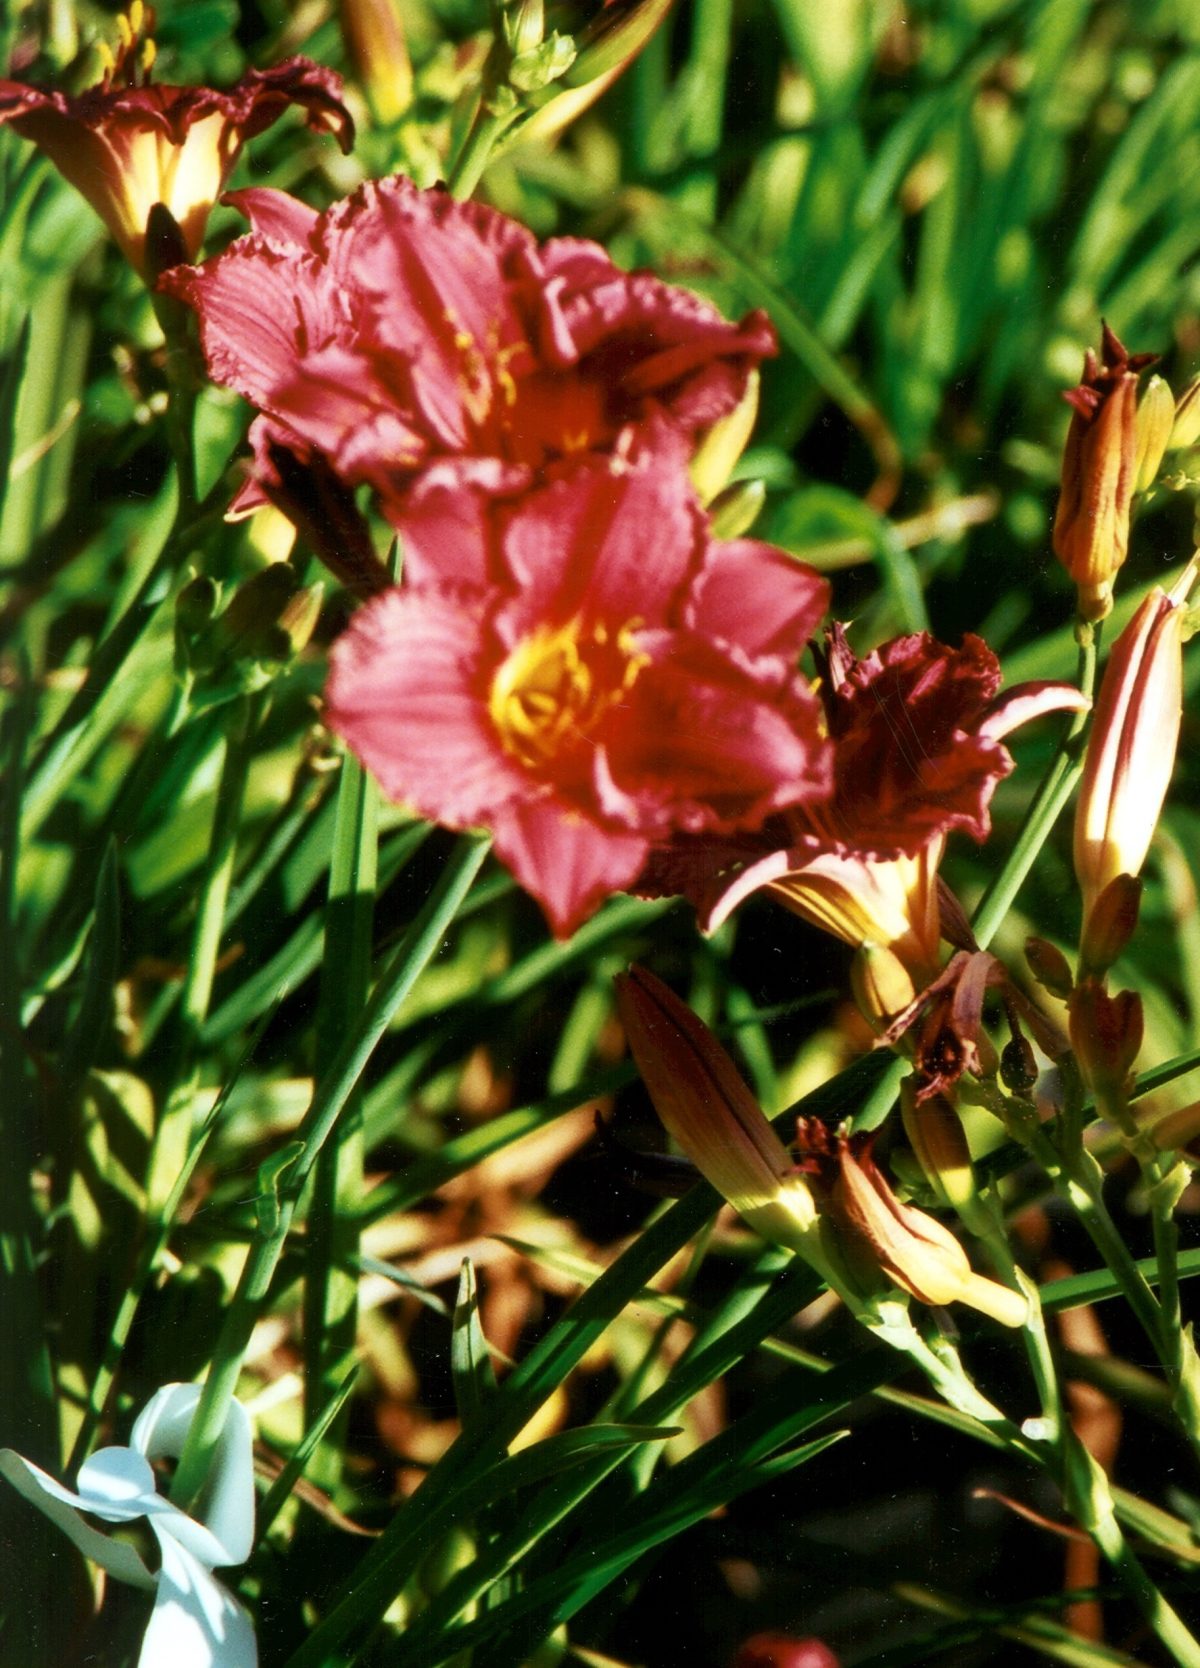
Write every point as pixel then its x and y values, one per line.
pixel 586 672
pixel 128 143
pixel 412 343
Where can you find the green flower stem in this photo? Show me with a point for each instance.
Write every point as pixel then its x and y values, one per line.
pixel 491 122
pixel 1085 1486
pixel 1090 1502
pixel 284 1184
pixel 1056 788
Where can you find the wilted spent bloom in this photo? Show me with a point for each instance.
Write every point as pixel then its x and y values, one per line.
pixel 877 1235
pixel 129 143
pixel 1099 473
pixel 1131 749
pixel 916 729
pixel 706 1106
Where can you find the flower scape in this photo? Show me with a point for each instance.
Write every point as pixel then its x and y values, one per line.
pixel 535 682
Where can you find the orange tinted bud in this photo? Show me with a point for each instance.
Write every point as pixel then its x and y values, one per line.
pixel 1131 749
pixel 701 1098
pixel 911 1248
pixel 1099 474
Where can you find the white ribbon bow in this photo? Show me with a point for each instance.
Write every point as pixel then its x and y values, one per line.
pixel 195 1623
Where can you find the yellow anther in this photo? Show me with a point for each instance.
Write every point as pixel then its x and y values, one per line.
pixel 557 684
pixel 137 16
pixel 126 31
pixel 108 64
pixel 149 54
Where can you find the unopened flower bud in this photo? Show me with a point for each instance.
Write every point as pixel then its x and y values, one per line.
pixel 1131 750
pixel 1106 1034
pixel 781 1650
pixel 912 1249
pixel 723 444
pixel 1049 967
pixel 532 71
pixel 1110 924
pixel 1178 1129
pixel 524 24
pixel 1099 474
pixel 298 618
pixel 617 33
pixel 734 511
pixel 701 1098
pixel 883 986
pixel 378 53
pixel 1018 1065
pixel 1186 429
pixel 936 1136
pixel 1155 420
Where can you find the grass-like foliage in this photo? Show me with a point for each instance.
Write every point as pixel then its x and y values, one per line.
pixel 413 622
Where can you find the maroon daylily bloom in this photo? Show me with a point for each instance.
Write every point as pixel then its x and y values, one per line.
pixel 916 730
pixel 422 346
pixel 127 143
pixel 544 678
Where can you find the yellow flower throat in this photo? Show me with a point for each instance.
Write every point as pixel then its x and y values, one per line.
pixel 556 684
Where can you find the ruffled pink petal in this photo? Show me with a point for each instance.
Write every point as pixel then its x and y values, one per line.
pixel 570 863
pixel 450 521
pixel 261 310
pixel 274 215
pixel 407 693
pixel 607 541
pixel 699 744
pixel 758 597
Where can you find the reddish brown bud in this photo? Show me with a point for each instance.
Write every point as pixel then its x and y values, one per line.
pixel 1110 925
pixel 1049 967
pixel 1106 1034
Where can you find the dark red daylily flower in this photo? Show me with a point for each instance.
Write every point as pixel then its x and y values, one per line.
pixel 916 730
pixel 128 143
pixel 423 346
pixel 584 672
